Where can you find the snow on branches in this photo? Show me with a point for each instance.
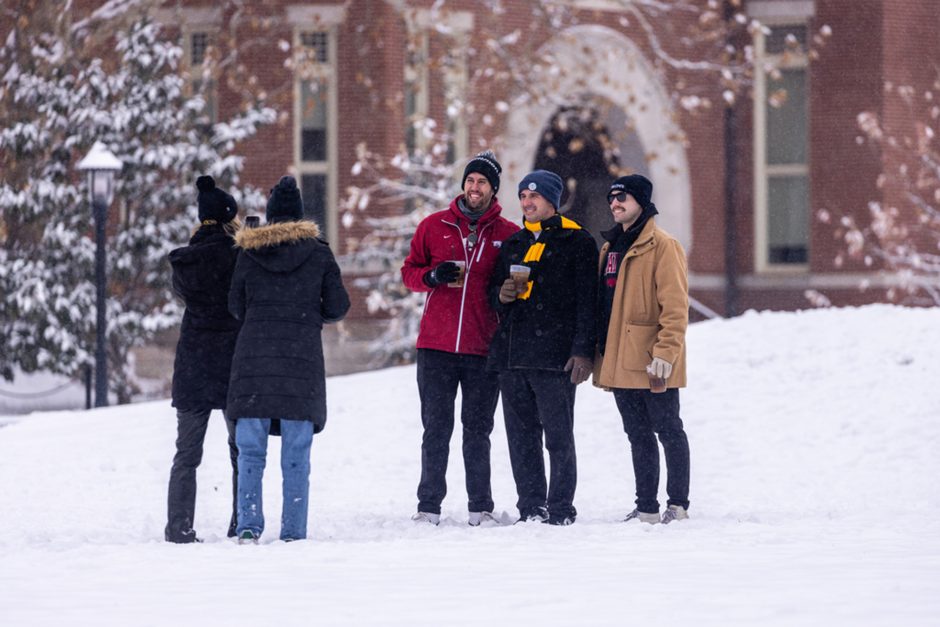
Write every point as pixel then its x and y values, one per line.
pixel 53 107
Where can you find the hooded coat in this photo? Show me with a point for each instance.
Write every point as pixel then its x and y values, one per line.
pixel 202 273
pixel 650 313
pixel 286 286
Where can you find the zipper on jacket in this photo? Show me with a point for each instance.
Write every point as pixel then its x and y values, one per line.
pixel 469 260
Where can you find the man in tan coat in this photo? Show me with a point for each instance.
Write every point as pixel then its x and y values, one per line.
pixel 643 313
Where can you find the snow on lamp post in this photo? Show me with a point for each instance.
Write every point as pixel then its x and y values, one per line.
pixel 100 165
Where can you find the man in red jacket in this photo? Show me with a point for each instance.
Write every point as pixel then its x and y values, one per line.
pixel 452 256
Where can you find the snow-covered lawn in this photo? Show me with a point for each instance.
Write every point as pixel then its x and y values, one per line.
pixel 815 501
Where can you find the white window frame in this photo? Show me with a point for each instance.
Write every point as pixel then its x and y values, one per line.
pixel 187 30
pixel 328 167
pixel 458 26
pixel 191 20
pixel 416 76
pixel 762 170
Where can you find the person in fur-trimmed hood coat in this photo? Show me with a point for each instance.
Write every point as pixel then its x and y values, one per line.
pixel 286 286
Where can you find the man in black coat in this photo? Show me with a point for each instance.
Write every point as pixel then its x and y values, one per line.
pixel 202 273
pixel 286 286
pixel 544 346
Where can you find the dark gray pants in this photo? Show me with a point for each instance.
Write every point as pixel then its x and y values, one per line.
pixel 181 496
pixel 537 402
pixel 646 415
pixel 439 376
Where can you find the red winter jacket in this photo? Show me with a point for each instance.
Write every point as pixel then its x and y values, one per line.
pixel 456 320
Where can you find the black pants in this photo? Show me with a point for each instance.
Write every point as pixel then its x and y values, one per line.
pixel 439 375
pixel 181 496
pixel 646 415
pixel 537 401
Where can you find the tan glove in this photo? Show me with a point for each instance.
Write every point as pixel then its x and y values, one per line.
pixel 580 368
pixel 659 368
pixel 507 291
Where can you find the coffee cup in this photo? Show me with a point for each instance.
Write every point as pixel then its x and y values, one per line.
pixel 657 384
pixel 462 267
pixel 520 275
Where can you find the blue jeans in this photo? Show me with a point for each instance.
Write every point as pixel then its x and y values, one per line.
pixel 251 435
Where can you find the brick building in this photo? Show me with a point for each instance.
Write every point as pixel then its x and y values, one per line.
pixel 741 187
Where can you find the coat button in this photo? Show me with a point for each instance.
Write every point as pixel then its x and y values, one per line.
pixel 539 306
pixel 538 333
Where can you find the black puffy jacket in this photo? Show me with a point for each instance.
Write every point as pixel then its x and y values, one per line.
pixel 202 273
pixel 287 284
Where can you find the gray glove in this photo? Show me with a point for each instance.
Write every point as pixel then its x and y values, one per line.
pixel 659 368
pixel 580 368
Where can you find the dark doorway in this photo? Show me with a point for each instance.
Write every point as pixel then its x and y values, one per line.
pixel 578 145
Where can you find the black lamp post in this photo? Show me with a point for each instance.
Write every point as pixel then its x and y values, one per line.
pixel 100 165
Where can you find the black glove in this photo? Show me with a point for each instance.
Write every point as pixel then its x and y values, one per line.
pixel 445 272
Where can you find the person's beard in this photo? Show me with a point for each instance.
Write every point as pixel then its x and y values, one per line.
pixel 478 205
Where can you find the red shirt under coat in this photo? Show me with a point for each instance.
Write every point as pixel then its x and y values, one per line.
pixel 457 320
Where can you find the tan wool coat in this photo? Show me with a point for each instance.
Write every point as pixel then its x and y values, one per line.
pixel 650 313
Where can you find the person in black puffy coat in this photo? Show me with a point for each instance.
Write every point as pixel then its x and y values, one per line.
pixel 202 272
pixel 286 286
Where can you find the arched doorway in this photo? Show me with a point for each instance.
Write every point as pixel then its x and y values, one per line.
pixel 579 145
pixel 635 109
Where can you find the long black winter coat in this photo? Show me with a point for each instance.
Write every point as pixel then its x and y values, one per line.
pixel 202 273
pixel 287 284
pixel 557 319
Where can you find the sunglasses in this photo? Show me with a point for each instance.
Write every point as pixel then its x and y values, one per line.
pixel 619 197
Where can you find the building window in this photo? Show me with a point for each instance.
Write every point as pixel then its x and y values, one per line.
pixel 781 135
pixel 201 82
pixel 415 92
pixel 315 134
pixel 437 83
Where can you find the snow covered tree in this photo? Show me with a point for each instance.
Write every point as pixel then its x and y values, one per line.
pixel 901 234
pixel 59 93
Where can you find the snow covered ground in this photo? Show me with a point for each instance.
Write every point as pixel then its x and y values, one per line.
pixel 815 501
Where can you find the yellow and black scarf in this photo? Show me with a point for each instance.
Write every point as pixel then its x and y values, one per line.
pixel 534 253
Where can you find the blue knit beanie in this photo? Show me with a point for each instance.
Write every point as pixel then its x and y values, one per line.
pixel 546 183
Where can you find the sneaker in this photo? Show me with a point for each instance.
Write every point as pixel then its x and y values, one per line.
pixel 425 517
pixel 248 537
pixel 561 521
pixel 674 512
pixel 643 517
pixel 538 514
pixel 482 518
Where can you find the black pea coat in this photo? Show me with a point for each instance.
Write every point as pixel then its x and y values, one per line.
pixel 557 320
pixel 287 284
pixel 202 273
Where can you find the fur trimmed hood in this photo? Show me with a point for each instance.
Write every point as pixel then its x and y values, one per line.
pixel 278 233
pixel 281 247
